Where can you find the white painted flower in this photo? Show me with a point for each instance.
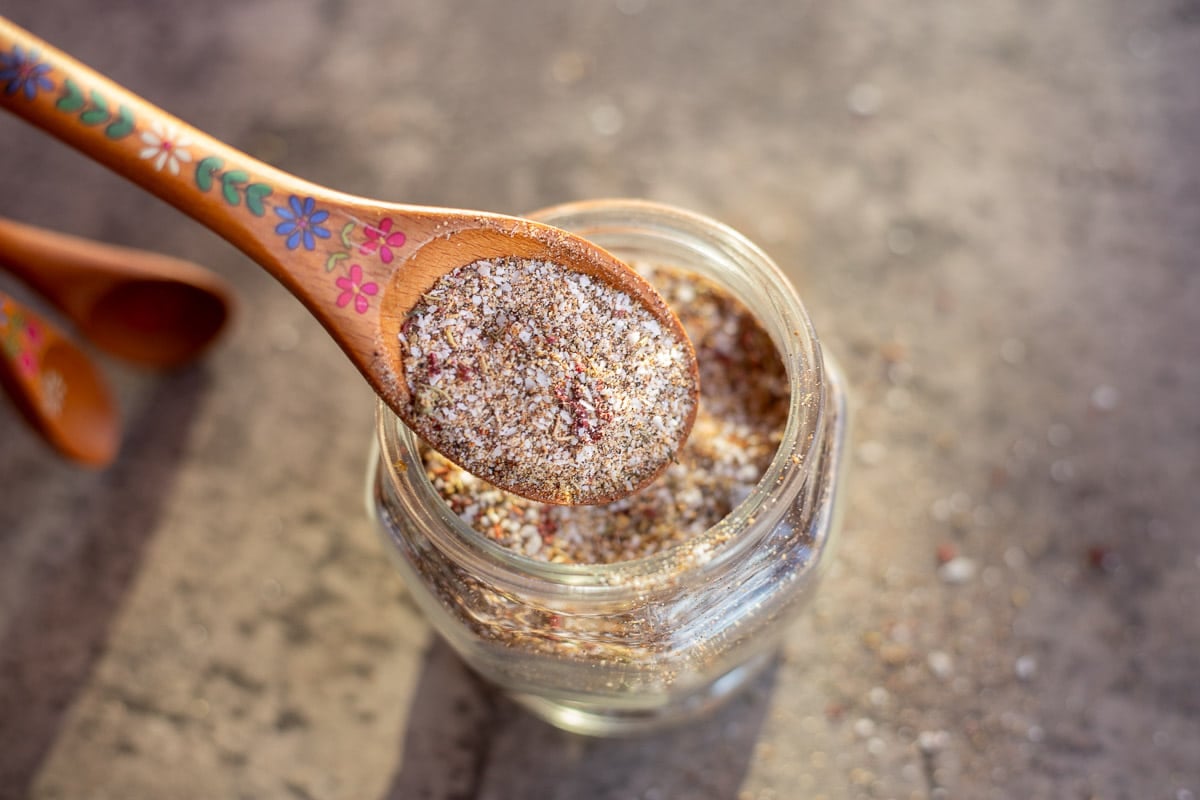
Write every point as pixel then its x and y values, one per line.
pixel 54 391
pixel 166 146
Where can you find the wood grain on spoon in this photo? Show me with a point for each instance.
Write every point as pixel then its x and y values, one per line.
pixel 360 266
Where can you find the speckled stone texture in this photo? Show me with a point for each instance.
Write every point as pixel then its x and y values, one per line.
pixel 992 211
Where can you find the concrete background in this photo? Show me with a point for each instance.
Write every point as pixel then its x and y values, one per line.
pixel 992 211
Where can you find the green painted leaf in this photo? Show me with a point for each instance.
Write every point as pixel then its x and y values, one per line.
pixel 331 262
pixel 123 126
pixel 229 185
pixel 98 112
pixel 255 193
pixel 72 99
pixel 346 231
pixel 205 170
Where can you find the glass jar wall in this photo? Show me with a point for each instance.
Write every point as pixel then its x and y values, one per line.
pixel 608 649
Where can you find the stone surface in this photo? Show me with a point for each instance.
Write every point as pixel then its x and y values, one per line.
pixel 993 214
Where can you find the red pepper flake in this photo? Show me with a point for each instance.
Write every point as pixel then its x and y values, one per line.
pixel 1103 558
pixel 547 528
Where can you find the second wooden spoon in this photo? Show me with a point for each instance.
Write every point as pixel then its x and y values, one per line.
pixel 140 306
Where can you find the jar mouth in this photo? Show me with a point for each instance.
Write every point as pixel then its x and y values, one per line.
pixel 630 228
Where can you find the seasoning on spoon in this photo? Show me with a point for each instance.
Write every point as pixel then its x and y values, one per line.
pixel 556 382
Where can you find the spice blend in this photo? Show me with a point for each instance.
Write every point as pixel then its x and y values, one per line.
pixel 548 381
pixel 739 424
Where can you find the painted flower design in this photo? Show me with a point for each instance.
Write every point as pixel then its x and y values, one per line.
pixel 355 289
pixel 164 144
pixel 27 361
pixel 301 223
pixel 24 73
pixel 381 239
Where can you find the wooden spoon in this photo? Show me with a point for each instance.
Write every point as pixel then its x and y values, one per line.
pixel 140 306
pixel 360 266
pixel 56 386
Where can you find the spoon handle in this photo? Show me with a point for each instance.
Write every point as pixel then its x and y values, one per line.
pixel 288 226
pixel 228 191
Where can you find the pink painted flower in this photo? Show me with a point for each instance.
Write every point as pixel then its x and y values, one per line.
pixel 382 239
pixel 27 362
pixel 354 288
pixel 32 333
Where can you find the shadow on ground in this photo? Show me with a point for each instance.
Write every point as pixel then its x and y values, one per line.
pixel 465 740
pixel 61 628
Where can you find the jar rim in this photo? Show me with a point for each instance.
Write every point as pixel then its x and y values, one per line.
pixel 785 475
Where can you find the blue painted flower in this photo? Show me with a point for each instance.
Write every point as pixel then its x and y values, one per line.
pixel 22 71
pixel 301 222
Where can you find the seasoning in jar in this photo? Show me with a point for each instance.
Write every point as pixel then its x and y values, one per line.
pixel 627 617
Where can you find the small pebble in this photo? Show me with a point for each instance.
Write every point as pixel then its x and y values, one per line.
pixel 1105 398
pixel 946 552
pixel 1026 668
pixel 932 741
pixel 941 664
pixel 864 727
pixel 957 570
pixel 607 119
pixel 872 453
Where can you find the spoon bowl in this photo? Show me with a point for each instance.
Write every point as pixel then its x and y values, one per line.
pixel 56 386
pixel 360 266
pixel 143 307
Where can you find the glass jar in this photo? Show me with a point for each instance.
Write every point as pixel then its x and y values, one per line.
pixel 618 648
